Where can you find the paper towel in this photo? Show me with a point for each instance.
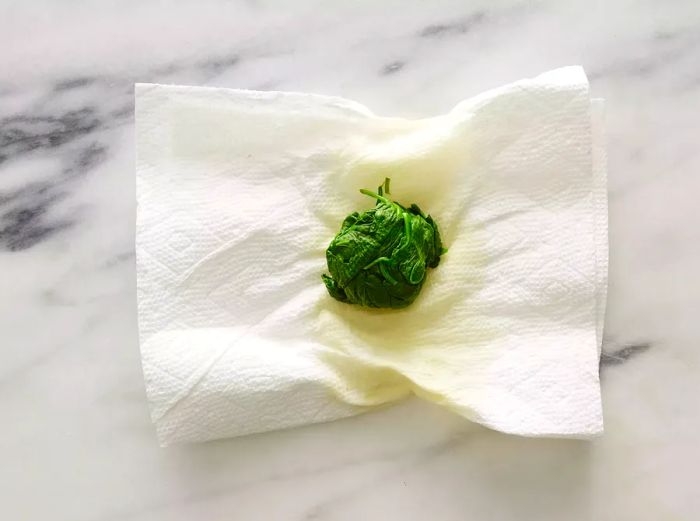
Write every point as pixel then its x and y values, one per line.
pixel 240 192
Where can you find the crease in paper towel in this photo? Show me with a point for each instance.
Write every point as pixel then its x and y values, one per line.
pixel 238 335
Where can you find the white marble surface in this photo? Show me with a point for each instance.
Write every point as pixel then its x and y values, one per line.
pixel 76 442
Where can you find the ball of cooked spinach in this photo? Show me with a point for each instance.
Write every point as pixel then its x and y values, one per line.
pixel 380 257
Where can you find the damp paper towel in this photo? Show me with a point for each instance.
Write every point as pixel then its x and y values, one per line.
pixel 239 194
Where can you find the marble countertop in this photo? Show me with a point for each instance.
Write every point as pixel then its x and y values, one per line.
pixel 77 443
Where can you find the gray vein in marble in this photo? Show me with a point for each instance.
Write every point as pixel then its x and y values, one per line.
pixel 74 83
pixel 168 72
pixel 208 68
pixel 661 51
pixel 622 354
pixel 459 27
pixel 23 227
pixel 89 156
pixel 118 259
pixel 393 67
pixel 24 213
pixel 22 134
pixel 218 65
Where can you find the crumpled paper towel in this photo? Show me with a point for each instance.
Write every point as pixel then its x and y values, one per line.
pixel 239 194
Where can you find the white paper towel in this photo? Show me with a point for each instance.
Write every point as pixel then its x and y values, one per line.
pixel 239 194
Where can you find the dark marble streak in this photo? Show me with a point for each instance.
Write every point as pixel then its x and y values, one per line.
pixel 25 213
pixel 23 227
pixel 184 71
pixel 74 83
pixel 393 67
pixel 119 259
pixel 25 218
pixel 24 133
pixel 74 137
pixel 77 162
pixel 459 27
pixel 86 158
pixel 659 53
pixel 125 111
pixel 168 72
pixel 623 354
pixel 218 65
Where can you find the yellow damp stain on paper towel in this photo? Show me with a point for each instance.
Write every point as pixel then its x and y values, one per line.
pixel 380 356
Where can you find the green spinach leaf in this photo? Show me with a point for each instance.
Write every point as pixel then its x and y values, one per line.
pixel 380 257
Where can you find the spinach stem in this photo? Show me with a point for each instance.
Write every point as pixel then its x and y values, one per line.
pixel 387 275
pixel 376 261
pixel 376 196
pixel 407 226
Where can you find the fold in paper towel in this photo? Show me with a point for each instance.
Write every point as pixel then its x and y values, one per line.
pixel 239 194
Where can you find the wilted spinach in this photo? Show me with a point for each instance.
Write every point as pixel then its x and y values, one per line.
pixel 380 257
